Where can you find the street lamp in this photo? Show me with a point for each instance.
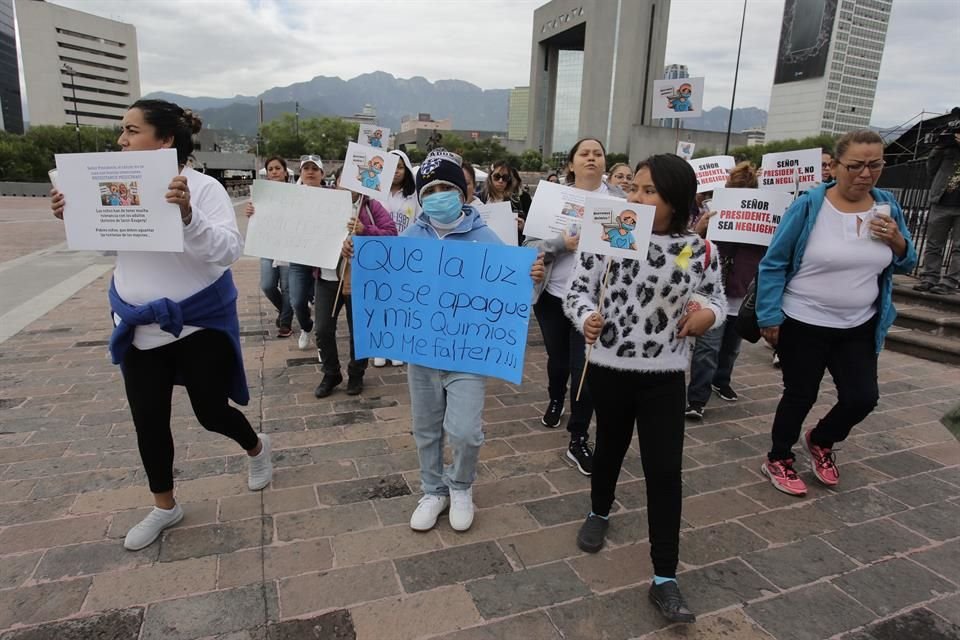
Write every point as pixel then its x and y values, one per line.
pixel 736 73
pixel 73 87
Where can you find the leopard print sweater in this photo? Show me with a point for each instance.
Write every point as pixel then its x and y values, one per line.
pixel 644 301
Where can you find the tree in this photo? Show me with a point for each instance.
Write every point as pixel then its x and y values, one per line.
pixel 327 137
pixel 28 157
pixel 531 160
pixel 617 158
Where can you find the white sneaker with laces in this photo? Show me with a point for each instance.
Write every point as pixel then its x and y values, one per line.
pixel 461 509
pixel 261 466
pixel 149 529
pixel 304 340
pixel 428 510
pixel 397 363
pixel 379 362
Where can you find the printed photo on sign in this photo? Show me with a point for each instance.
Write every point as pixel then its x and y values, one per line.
pixel 619 229
pixel 500 217
pixel 685 149
pixel 368 170
pixel 373 135
pixel 791 171
pixel 557 208
pixel 747 216
pixel 117 201
pixel 680 98
pixel 712 172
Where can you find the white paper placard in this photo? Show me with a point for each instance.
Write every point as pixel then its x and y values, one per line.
pixel 783 171
pixel 116 201
pixel 679 98
pixel 712 172
pixel 747 216
pixel 605 229
pixel 297 223
pixel 372 135
pixel 685 149
pixel 501 219
pixel 369 171
pixel 556 208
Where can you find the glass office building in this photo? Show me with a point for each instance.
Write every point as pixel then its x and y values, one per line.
pixel 566 115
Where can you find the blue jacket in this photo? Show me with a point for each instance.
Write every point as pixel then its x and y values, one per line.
pixel 472 229
pixel 785 254
pixel 212 308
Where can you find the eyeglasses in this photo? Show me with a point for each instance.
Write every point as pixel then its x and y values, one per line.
pixel 500 177
pixel 857 168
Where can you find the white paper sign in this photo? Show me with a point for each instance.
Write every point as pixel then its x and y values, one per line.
pixel 680 98
pixel 369 171
pixel 501 219
pixel 116 201
pixel 747 216
pixel 712 172
pixel 616 228
pixel 372 135
pixel 556 208
pixel 791 171
pixel 685 149
pixel 297 223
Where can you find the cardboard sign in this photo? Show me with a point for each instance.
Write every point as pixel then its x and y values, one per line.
pixel 791 171
pixel 117 201
pixel 679 98
pixel 618 229
pixel 712 172
pixel 500 217
pixel 372 135
pixel 557 208
pixel 747 216
pixel 369 171
pixel 455 306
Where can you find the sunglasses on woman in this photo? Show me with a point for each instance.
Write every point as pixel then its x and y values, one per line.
pixel 500 177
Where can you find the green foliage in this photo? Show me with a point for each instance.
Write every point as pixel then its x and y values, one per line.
pixel 617 158
pixel 531 160
pixel 327 137
pixel 754 154
pixel 28 157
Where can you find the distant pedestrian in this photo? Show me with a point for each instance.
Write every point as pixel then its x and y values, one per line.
pixel 620 175
pixel 301 275
pixel 943 165
pixel 503 185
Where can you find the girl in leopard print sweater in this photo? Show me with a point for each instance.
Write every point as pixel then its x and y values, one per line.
pixel 640 332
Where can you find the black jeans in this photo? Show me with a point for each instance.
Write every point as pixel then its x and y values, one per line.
pixel 805 352
pixel 326 324
pixel 654 403
pixel 565 358
pixel 203 362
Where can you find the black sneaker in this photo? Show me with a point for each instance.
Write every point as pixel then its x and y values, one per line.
pixel 354 385
pixel 327 385
pixel 580 454
pixel 592 533
pixel 726 392
pixel 554 412
pixel 694 411
pixel 669 600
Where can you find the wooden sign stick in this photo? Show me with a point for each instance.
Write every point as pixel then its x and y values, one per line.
pixel 343 270
pixel 586 361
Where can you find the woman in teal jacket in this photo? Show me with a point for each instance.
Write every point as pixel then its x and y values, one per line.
pixel 825 300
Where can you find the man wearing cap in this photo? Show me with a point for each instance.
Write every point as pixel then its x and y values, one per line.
pixel 301 275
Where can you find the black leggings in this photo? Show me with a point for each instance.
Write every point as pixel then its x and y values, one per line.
pixel 654 402
pixel 202 362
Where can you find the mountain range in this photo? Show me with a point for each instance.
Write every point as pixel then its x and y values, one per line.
pixel 468 105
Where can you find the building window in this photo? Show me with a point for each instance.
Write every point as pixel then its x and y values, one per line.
pixel 96 52
pixel 84 36
pixel 93 64
pixel 566 112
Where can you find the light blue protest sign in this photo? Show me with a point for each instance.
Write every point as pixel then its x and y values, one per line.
pixel 452 305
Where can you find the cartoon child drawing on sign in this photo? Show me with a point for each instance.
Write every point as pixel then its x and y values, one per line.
pixel 369 175
pixel 375 139
pixel 620 233
pixel 680 101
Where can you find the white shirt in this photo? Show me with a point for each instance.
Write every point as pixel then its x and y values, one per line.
pixel 563 264
pixel 211 243
pixel 837 284
pixel 404 209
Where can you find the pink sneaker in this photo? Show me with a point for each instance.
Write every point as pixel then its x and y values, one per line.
pixel 823 461
pixel 783 477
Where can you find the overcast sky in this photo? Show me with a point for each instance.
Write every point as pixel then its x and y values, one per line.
pixel 225 47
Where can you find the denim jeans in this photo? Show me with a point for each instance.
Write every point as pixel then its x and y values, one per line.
pixel 446 404
pixel 327 316
pixel 275 284
pixel 942 219
pixel 714 355
pixel 301 292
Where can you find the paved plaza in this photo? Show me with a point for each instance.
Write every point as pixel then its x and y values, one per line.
pixel 326 552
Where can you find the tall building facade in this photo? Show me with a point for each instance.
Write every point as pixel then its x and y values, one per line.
pixel 11 113
pixel 592 68
pixel 76 65
pixel 517 116
pixel 673 72
pixel 828 63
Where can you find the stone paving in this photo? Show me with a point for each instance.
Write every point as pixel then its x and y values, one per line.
pixel 326 553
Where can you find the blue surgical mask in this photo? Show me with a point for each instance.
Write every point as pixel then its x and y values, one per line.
pixel 443 207
pixel 629 227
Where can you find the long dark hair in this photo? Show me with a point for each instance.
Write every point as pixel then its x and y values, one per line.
pixel 676 183
pixel 171 121
pixel 508 189
pixel 571 176
pixel 409 186
pixel 283 163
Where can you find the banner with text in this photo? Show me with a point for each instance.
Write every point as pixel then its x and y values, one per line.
pixel 747 216
pixel 712 172
pixel 456 306
pixel 790 171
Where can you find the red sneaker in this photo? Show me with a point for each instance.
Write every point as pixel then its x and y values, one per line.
pixel 783 477
pixel 823 461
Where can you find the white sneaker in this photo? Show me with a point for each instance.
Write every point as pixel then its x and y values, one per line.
pixel 379 362
pixel 397 363
pixel 149 529
pixel 461 509
pixel 261 466
pixel 428 510
pixel 304 340
pixel 319 356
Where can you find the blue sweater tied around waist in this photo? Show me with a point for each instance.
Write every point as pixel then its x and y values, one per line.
pixel 214 307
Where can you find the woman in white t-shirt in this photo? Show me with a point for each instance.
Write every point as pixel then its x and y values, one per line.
pixel 825 301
